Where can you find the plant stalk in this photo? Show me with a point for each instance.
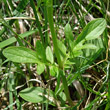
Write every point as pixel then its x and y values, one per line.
pixel 49 5
pixel 66 87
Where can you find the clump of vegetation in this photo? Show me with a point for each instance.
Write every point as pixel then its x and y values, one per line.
pixel 54 55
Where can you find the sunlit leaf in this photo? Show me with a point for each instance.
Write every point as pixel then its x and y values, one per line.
pixel 34 94
pixel 40 68
pixel 21 55
pixel 53 70
pixel 86 46
pixel 93 30
pixel 49 55
pixel 68 32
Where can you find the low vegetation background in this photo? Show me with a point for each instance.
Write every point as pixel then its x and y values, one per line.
pixel 54 55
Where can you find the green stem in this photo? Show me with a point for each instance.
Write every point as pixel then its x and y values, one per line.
pixel 10 82
pixel 18 104
pixel 66 87
pixel 47 40
pixel 49 4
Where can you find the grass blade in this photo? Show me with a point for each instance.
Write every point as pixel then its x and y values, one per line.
pixel 13 39
pixel 37 20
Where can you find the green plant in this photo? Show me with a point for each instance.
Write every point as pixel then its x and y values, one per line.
pixel 67 61
pixel 66 55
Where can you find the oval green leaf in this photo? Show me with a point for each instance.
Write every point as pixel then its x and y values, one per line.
pixel 93 30
pixel 20 55
pixel 68 32
pixel 40 68
pixel 33 94
pixel 36 94
pixel 49 55
pixel 86 46
pixel 53 70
